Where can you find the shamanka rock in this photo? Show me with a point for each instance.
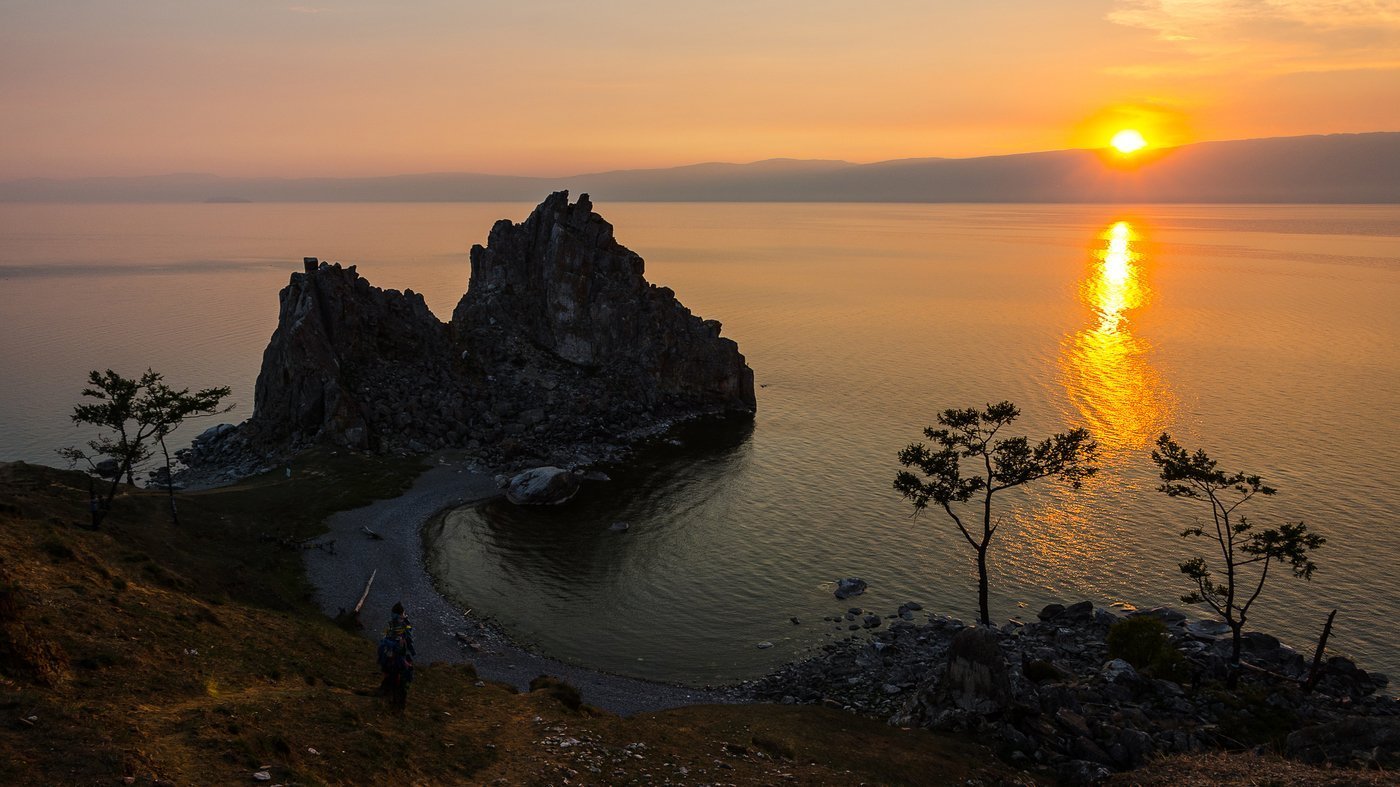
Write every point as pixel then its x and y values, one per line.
pixel 560 353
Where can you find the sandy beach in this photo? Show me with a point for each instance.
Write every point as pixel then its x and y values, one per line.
pixel 442 632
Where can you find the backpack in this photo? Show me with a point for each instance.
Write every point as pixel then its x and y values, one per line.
pixel 393 653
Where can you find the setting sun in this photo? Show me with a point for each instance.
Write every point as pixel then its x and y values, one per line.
pixel 1128 141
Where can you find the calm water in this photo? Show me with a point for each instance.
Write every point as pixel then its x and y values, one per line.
pixel 1267 335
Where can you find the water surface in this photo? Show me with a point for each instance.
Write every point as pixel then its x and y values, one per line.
pixel 1265 334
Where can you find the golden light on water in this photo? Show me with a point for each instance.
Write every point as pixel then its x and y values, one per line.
pixel 1105 367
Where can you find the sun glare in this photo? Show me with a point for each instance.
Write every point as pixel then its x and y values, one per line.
pixel 1128 141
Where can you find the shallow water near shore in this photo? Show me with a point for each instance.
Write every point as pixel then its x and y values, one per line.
pixel 1266 335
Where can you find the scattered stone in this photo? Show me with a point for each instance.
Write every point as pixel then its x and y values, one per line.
pixel 619 527
pixel 764 645
pixel 1047 692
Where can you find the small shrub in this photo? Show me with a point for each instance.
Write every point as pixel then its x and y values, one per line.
pixel 566 694
pixel 1143 642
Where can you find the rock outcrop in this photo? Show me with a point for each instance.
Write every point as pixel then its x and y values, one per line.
pixel 560 296
pixel 559 353
pixel 358 366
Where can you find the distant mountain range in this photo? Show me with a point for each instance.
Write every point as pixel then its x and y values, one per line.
pixel 1336 168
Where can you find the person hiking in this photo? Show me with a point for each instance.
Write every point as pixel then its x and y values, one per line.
pixel 396 657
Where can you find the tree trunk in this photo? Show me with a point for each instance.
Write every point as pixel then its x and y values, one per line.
pixel 1315 673
pixel 982 608
pixel 170 484
pixel 1232 678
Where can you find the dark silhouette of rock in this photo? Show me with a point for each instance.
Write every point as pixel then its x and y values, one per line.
pixel 349 362
pixel 559 294
pixel 560 353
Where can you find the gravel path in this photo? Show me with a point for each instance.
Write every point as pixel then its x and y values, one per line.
pixel 442 632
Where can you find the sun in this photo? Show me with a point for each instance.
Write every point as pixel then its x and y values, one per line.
pixel 1128 140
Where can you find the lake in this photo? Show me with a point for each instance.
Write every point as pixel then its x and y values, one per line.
pixel 1265 334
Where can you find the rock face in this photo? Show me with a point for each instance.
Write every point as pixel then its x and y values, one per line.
pixel 351 364
pixel 559 294
pixel 559 353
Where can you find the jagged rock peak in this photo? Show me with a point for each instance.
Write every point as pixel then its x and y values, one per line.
pixel 560 353
pixel 561 283
pixel 345 358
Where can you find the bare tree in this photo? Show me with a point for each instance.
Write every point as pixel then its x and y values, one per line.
pixel 1000 465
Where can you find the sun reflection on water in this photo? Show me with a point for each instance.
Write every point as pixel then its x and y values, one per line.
pixel 1105 367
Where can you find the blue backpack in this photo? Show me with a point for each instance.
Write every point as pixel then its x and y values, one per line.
pixel 393 653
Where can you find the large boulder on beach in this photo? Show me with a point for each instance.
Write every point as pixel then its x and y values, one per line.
pixel 543 486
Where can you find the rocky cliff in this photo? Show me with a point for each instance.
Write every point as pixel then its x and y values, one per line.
pixel 560 350
pixel 358 366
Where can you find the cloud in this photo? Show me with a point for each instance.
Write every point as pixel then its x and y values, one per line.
pixel 1268 36
pixel 303 9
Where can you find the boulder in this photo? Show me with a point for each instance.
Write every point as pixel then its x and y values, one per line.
pixel 542 486
pixel 1119 671
pixel 978 678
pixel 851 586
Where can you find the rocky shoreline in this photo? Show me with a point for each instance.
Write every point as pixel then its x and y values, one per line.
pixel 1048 693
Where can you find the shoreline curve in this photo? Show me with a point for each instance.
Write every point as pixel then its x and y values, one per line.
pixel 442 631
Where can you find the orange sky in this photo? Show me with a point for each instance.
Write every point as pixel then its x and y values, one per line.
pixel 353 87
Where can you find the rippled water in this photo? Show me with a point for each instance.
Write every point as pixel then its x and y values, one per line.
pixel 1266 335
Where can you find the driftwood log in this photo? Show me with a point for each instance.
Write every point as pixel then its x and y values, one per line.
pixel 351 620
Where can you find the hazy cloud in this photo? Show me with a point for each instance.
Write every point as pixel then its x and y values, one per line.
pixel 302 9
pixel 1274 36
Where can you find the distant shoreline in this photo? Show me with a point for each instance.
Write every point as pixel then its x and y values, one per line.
pixel 1342 169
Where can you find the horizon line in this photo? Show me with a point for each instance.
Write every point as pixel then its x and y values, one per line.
pixel 594 173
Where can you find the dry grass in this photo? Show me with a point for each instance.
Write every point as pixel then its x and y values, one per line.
pixel 1208 770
